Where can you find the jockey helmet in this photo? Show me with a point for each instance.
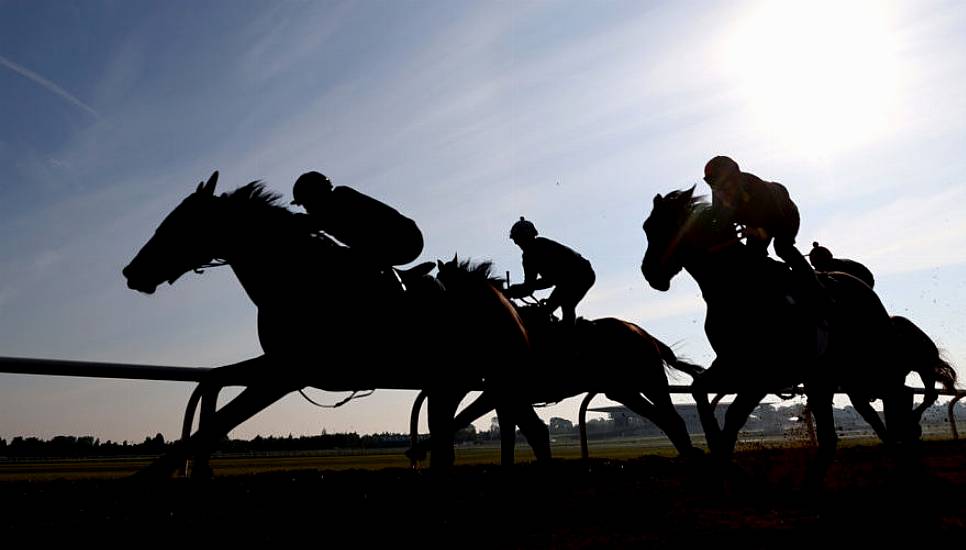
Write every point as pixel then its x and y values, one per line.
pixel 310 184
pixel 819 256
pixel 719 169
pixel 523 229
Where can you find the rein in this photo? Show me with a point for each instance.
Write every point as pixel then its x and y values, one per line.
pixel 214 263
pixel 353 395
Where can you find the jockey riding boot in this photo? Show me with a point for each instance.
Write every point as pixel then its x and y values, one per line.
pixel 818 304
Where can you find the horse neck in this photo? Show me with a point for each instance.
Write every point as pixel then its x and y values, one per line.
pixel 721 272
pixel 479 303
pixel 714 278
pixel 257 257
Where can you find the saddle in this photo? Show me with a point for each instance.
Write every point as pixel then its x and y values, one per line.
pixel 551 334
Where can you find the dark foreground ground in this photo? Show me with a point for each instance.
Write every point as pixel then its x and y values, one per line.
pixel 870 497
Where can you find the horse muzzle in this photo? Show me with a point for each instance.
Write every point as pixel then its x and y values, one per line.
pixel 662 285
pixel 657 283
pixel 138 283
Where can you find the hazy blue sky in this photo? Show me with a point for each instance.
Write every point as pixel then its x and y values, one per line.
pixel 463 115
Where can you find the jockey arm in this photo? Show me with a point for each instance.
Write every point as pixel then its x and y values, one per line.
pixel 527 288
pixel 532 280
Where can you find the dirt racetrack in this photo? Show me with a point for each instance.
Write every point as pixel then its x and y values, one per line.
pixel 871 497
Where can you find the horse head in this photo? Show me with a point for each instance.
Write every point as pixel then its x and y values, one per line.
pixel 181 243
pixel 666 228
pixel 684 231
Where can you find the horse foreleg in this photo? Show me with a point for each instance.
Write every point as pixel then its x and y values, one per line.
pixel 471 413
pixel 242 373
pixel 506 416
pixel 441 409
pixel 248 403
pixel 821 405
pixel 737 415
pixel 712 432
pixel 200 465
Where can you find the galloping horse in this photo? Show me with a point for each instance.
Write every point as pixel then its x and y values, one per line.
pixel 322 321
pixel 610 355
pixel 763 339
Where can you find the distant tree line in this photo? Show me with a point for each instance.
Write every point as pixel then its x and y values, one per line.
pixel 66 446
pixel 767 419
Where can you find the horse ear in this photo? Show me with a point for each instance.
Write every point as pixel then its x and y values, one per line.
pixel 439 265
pixel 455 259
pixel 657 199
pixel 690 192
pixel 209 187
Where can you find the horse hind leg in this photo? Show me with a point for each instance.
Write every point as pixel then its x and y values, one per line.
pixel 736 416
pixel 898 408
pixel 929 397
pixel 861 404
pixel 535 430
pixel 664 416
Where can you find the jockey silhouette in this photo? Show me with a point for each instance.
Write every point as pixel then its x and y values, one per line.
pixel 546 264
pixel 378 235
pixel 765 211
pixel 822 260
pixel 764 208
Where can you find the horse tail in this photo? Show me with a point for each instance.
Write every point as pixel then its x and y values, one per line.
pixel 670 359
pixel 945 373
pixel 917 347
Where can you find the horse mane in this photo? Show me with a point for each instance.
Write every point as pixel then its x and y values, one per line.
pixel 255 194
pixel 696 203
pixel 263 210
pixel 482 270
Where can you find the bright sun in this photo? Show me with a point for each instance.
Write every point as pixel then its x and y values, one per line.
pixel 818 75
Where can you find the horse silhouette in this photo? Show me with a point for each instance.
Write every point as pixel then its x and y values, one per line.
pixel 323 320
pixel 508 391
pixel 766 342
pixel 610 355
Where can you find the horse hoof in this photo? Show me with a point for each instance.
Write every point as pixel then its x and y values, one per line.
pixel 915 433
pixel 415 455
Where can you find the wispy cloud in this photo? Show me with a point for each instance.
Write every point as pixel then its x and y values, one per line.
pixel 908 234
pixel 48 85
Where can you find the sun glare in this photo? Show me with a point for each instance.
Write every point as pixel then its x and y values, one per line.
pixel 820 76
